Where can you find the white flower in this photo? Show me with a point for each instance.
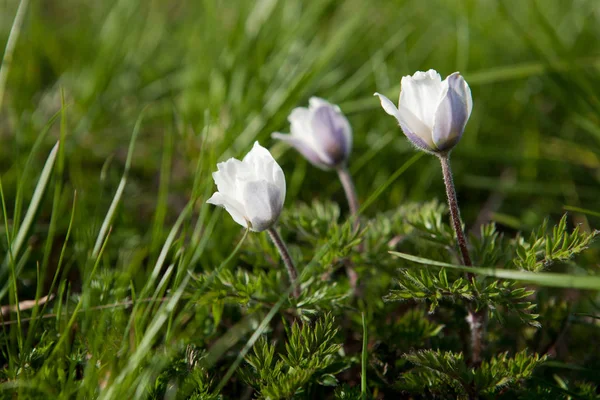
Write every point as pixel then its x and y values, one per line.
pixel 320 133
pixel 431 112
pixel 252 190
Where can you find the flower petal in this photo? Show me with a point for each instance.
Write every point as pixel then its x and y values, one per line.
pixel 413 128
pixel 233 207
pixel 278 179
pixel 264 166
pixel 300 122
pixel 388 106
pixel 452 112
pixel 303 147
pixel 316 102
pixel 258 162
pixel 333 134
pixel 263 203
pixel 226 175
pixel 420 94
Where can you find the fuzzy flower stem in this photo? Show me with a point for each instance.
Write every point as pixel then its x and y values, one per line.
pixel 287 260
pixel 350 191
pixel 476 319
pixel 454 211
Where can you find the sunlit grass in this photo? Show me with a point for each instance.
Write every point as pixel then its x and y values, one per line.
pixel 114 114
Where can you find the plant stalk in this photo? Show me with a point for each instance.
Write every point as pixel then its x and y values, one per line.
pixel 476 319
pixel 287 260
pixel 455 212
pixel 350 191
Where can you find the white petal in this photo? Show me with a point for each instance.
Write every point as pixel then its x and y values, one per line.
pixel 258 162
pixel 420 94
pixel 303 147
pixel 416 131
pixel 257 152
pixel 300 127
pixel 452 112
pixel 233 207
pixel 263 203
pixel 343 124
pixel 316 102
pixel 388 106
pixel 278 179
pixel 264 167
pixel 300 122
pixel 466 94
pixel 332 135
pixel 226 175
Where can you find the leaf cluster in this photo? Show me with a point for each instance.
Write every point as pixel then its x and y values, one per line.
pixel 311 356
pixel 422 284
pixel 185 378
pixel 543 249
pixel 447 373
pixel 427 222
pixel 261 289
pixel 425 284
pixel 318 226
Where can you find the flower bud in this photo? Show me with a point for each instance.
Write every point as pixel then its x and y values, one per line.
pixel 432 113
pixel 320 133
pixel 252 191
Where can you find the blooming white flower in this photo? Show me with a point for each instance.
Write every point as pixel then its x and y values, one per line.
pixel 431 112
pixel 252 190
pixel 320 133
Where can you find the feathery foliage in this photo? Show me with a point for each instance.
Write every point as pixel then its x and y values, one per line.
pixel 118 281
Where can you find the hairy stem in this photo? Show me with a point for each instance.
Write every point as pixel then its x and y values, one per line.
pixel 350 191
pixel 287 260
pixel 455 212
pixel 476 319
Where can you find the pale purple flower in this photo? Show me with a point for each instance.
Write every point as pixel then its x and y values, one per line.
pixel 432 113
pixel 321 133
pixel 252 191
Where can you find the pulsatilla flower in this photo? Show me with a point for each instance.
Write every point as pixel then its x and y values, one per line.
pixel 252 190
pixel 321 133
pixel 432 113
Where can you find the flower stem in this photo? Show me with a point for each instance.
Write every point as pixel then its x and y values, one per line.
pixel 454 211
pixel 287 260
pixel 475 318
pixel 350 191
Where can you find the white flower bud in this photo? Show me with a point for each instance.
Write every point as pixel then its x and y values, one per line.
pixel 320 133
pixel 432 113
pixel 252 190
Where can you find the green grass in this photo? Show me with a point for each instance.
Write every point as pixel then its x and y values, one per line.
pixel 113 115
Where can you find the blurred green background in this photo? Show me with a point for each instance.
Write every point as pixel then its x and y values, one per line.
pixel 235 69
pixel 210 78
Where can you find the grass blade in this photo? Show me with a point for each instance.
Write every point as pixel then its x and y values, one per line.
pixel 363 360
pixel 38 194
pixel 13 36
pixel 120 189
pixel 549 279
pixel 144 348
pixel 582 210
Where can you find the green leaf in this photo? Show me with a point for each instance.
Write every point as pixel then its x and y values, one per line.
pixel 28 220
pixel 582 210
pixel 543 249
pixel 550 279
